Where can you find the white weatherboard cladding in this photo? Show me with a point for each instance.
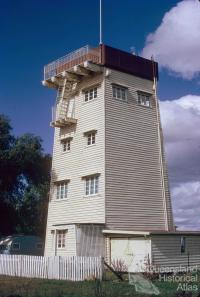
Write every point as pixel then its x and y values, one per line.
pixel 131 252
pixel 125 156
pixel 90 240
pixel 50 245
pixel 134 197
pixel 80 161
pixel 166 250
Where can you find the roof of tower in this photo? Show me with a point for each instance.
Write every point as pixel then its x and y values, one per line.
pixel 129 63
pixel 106 56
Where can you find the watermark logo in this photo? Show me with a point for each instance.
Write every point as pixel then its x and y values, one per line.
pixel 185 278
pixel 142 284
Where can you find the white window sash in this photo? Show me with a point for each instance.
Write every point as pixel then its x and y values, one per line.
pixel 119 93
pixel 91 94
pixel 92 185
pixel 144 99
pixel 96 184
pixel 61 239
pixel 66 145
pixel 91 138
pixel 62 191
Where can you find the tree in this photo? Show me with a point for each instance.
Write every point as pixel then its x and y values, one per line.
pixel 33 210
pixel 6 144
pixel 24 182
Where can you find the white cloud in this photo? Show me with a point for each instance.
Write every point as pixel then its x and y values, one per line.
pixel 181 128
pixel 186 205
pixel 176 43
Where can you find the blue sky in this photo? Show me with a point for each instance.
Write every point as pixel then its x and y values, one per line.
pixel 34 33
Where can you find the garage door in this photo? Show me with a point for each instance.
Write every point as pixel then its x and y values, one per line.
pixel 130 253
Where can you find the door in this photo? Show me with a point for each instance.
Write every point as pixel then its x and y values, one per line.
pixel 71 108
pixel 130 253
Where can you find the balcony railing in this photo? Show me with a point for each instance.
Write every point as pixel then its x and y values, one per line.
pixel 63 114
pixel 74 58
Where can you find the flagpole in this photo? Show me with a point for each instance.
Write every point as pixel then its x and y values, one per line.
pixel 100 19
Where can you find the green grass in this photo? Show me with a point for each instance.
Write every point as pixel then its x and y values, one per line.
pixel 51 288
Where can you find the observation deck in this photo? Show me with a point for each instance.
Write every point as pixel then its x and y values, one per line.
pixel 102 55
pixel 77 57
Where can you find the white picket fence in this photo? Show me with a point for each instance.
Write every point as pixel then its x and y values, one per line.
pixel 64 268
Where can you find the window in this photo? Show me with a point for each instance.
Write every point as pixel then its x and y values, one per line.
pixel 16 246
pixel 3 247
pixel 90 94
pixel 144 99
pixel 61 239
pixel 62 189
pixel 91 138
pixel 39 245
pixel 183 244
pixel 91 185
pixel 66 145
pixel 119 92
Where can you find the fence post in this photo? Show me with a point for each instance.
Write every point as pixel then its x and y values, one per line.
pixel 102 267
pixel 47 267
pixel 20 265
pixel 59 259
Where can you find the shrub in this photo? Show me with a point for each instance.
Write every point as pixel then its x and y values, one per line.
pixel 119 265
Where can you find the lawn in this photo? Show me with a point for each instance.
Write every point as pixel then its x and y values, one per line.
pixel 13 286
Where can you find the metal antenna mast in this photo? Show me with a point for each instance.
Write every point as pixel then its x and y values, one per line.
pixel 100 19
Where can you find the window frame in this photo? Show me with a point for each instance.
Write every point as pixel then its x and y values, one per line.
pixel 183 244
pixel 3 247
pixel 120 92
pixel 66 145
pixel 147 95
pixel 91 185
pixel 90 94
pixel 39 244
pixel 61 238
pixel 14 247
pixel 61 190
pixel 90 137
